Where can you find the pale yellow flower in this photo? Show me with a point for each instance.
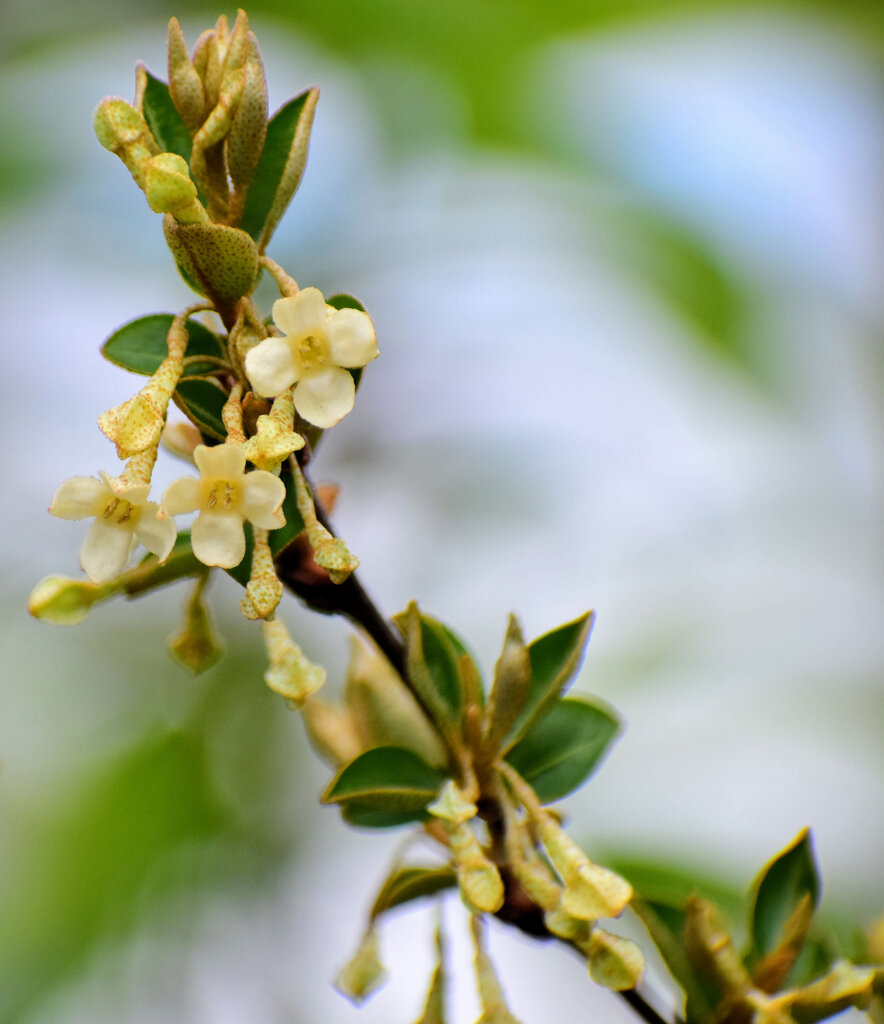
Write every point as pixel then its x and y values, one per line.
pixel 319 344
pixel 123 515
pixel 225 497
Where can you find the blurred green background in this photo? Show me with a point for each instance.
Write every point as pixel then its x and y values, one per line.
pixel 624 260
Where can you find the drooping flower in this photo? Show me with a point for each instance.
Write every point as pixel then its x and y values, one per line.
pixel 122 514
pixel 225 497
pixel 319 344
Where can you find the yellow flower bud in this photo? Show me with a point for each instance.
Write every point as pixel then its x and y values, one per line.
pixel 452 806
pixel 614 962
pixel 195 646
pixel 169 188
pixel 122 130
pixel 290 673
pixel 65 602
pixel 478 879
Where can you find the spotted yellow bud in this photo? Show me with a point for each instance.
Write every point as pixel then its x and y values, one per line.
pixel 614 962
pixel 168 188
pixel 290 673
pixel 122 130
pixel 264 590
pixel 364 973
pixel 185 85
pixel 275 439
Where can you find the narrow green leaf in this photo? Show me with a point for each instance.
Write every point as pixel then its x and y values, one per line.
pixel 294 523
pixel 555 658
pixel 386 779
pixel 433 667
pixel 163 119
pixel 411 883
pixel 140 345
pixel 565 747
pixel 781 885
pixel 201 399
pixel 512 679
pixel 666 926
pixel 280 168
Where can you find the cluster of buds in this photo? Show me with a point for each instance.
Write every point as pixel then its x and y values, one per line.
pixel 258 393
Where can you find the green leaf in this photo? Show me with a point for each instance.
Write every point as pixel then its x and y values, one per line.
pixel 163 119
pixel 790 876
pixel 432 661
pixel 370 817
pixel 555 658
pixel 512 679
pixel 666 926
pixel 294 523
pixel 386 779
pixel 140 345
pixel 280 168
pixel 565 747
pixel 411 883
pixel 201 399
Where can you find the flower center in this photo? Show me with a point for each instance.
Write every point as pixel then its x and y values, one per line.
pixel 220 496
pixel 120 512
pixel 312 351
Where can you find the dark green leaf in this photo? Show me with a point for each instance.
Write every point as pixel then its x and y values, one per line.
pixel 280 168
pixel 294 523
pixel 370 817
pixel 565 747
pixel 164 120
pixel 555 658
pixel 386 779
pixel 790 876
pixel 201 400
pixel 140 345
pixel 406 884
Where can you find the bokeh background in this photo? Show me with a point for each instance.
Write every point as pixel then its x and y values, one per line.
pixel 624 259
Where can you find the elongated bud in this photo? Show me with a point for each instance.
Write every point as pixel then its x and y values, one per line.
pixel 185 84
pixel 65 602
pixel 491 997
pixel 711 950
pixel 591 891
pixel 478 879
pixel 329 552
pixel 332 730
pixel 290 673
pixel 195 646
pixel 169 188
pixel 248 129
pixel 122 130
pixel 364 973
pixel 137 424
pixel 614 962
pixel 434 1008
pixel 264 590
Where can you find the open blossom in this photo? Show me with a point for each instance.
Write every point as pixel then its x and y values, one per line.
pixel 122 514
pixel 319 344
pixel 225 497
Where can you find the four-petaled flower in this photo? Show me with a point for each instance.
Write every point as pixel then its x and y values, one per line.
pixel 122 515
pixel 320 343
pixel 225 496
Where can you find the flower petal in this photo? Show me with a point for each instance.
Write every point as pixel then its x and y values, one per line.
pixel 221 461
pixel 105 551
pixel 77 497
pixel 263 494
pixel 271 367
pixel 218 539
pixel 352 338
pixel 182 495
pixel 325 396
pixel 157 535
pixel 301 314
